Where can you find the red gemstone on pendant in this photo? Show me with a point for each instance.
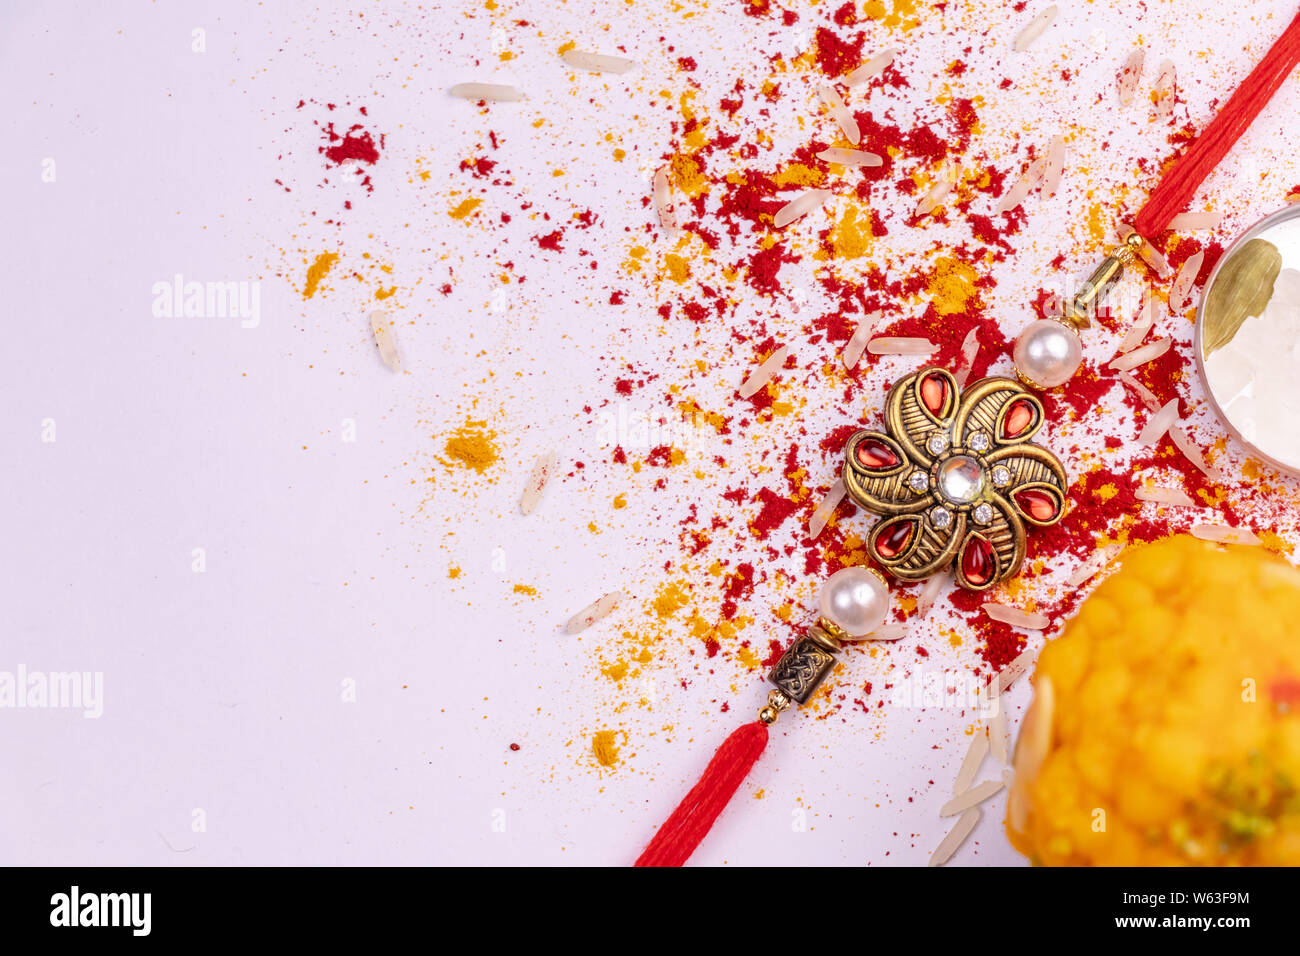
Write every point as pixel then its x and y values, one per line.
pixel 873 453
pixel 1036 503
pixel 977 562
pixel 893 540
pixel 934 393
pixel 1018 418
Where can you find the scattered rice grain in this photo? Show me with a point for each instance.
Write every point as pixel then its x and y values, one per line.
pixel 1162 95
pixel 1013 671
pixel 543 468
pixel 848 125
pixel 592 613
pixel 850 157
pixel 1180 292
pixel 1146 318
pixel 1193 453
pixel 597 62
pixel 1130 74
pixel 888 632
pixel 1015 617
pixel 1035 732
pixel 764 373
pixel 1034 29
pixel 970 347
pixel 1164 496
pixel 385 339
pixel 943 186
pixel 1140 356
pixel 1095 564
pixel 998 735
pixel 1159 423
pixel 858 342
pixel 1224 534
pixel 800 206
pixel 891 345
pixel 970 765
pixel 872 68
pixel 1020 189
pixel 487 92
pixel 1147 396
pixel 1054 166
pixel 956 837
pixel 1192 221
pixel 664 202
pixel 970 797
pixel 825 508
pixel 935 585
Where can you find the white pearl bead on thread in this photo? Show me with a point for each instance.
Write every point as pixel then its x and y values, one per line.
pixel 1047 353
pixel 855 599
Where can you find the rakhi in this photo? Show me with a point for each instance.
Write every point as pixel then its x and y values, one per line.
pixel 954 476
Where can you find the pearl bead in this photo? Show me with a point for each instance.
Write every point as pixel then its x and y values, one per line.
pixel 855 599
pixel 1047 353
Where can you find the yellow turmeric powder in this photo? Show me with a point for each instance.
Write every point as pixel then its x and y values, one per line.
pixel 317 271
pixel 472 446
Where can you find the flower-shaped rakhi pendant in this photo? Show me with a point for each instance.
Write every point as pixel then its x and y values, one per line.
pixel 955 478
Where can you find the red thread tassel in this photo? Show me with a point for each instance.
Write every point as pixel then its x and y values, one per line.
pixel 691 821
pixel 1186 175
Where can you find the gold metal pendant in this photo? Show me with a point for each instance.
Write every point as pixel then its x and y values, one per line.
pixel 955 478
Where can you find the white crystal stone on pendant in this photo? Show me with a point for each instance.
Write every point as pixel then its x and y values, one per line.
pixel 1001 476
pixel 961 479
pixel 940 518
pixel 979 441
pixel 919 481
pixel 983 514
pixel 937 444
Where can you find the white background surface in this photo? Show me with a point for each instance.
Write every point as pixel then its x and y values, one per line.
pixel 328 561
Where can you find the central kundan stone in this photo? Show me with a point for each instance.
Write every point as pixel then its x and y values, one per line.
pixel 961 479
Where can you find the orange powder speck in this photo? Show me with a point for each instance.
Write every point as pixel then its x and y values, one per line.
pixel 620 501
pixel 797 174
pixel 472 446
pixel 466 207
pixel 678 268
pixel 453 572
pixel 670 599
pixel 317 271
pixel 382 293
pixel 688 176
pixel 952 285
pixel 525 589
pixel 605 748
pixel 852 236
pixel 616 671
pixel 1096 224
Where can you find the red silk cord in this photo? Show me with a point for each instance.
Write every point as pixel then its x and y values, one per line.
pixel 694 816
pixel 1182 180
